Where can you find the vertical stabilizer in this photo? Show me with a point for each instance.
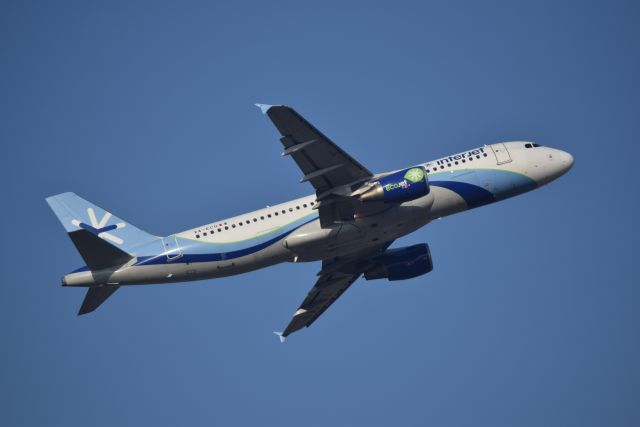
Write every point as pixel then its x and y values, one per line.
pixel 76 213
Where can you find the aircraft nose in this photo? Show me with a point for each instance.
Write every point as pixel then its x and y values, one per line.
pixel 555 164
pixel 566 159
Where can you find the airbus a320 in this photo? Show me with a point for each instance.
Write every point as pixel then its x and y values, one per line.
pixel 348 224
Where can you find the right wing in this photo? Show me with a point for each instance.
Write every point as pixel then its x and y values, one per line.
pixel 335 277
pixel 325 292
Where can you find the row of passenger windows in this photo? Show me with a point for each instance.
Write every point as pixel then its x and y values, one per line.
pixel 456 163
pixel 304 206
pixel 220 229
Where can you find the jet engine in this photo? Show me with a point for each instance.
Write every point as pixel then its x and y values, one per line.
pixel 403 186
pixel 401 263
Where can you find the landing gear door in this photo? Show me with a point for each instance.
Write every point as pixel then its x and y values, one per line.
pixel 501 153
pixel 171 248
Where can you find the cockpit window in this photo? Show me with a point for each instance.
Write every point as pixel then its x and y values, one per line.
pixel 537 145
pixel 531 145
pixel 528 145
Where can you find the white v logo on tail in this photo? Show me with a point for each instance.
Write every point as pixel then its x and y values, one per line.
pixel 100 228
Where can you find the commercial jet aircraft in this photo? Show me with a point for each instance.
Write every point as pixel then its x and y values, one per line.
pixel 348 224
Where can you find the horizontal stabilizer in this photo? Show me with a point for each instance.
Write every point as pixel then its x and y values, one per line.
pixel 95 297
pixel 96 252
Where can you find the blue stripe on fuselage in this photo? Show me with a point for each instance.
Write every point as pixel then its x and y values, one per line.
pixel 202 255
pixel 473 195
pixel 479 187
pixel 209 257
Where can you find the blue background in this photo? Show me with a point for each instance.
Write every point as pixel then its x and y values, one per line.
pixel 530 317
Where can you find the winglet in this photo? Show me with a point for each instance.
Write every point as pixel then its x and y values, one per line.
pixel 263 107
pixel 282 337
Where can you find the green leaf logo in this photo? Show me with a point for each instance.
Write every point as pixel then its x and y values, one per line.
pixel 414 175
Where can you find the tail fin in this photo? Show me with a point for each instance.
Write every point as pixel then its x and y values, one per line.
pixel 102 239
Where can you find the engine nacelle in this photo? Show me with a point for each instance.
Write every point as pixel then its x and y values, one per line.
pixel 402 263
pixel 403 186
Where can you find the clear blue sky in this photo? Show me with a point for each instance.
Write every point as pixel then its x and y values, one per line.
pixel 531 316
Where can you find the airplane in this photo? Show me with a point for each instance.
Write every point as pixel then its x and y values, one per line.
pixel 348 224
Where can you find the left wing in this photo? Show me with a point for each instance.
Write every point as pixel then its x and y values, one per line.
pixel 335 277
pixel 324 164
pixel 330 170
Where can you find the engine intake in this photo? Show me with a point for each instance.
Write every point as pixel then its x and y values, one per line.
pixel 402 263
pixel 403 186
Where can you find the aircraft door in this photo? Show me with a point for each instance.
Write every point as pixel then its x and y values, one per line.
pixel 501 153
pixel 171 248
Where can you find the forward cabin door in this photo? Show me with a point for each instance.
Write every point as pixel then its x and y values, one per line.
pixel 501 153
